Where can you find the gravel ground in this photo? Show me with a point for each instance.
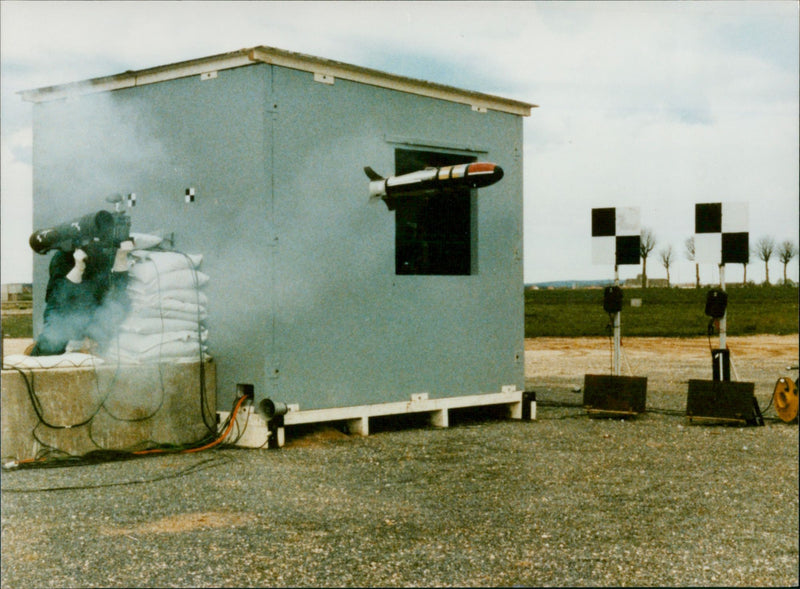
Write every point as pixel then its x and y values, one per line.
pixel 562 501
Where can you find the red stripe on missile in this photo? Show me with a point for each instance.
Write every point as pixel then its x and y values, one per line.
pixel 481 168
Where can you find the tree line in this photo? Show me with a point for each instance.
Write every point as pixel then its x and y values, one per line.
pixel 765 248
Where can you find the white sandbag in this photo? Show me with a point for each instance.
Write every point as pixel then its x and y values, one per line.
pixel 176 279
pixel 150 265
pixel 57 361
pixel 162 359
pixel 170 305
pixel 189 359
pixel 184 295
pixel 150 312
pixel 143 241
pixel 137 343
pixel 173 350
pixel 166 261
pixel 148 325
pixel 168 352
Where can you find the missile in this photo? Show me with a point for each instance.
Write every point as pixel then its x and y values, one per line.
pixel 73 234
pixel 431 181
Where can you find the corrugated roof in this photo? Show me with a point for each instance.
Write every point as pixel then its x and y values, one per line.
pixel 327 68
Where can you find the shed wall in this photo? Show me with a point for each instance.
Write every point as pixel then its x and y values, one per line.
pixel 304 302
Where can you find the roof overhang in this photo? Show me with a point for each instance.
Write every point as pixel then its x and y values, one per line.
pixel 326 68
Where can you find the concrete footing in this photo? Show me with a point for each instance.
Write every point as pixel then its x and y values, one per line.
pixel 107 407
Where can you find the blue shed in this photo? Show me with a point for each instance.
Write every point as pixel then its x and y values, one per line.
pixel 318 297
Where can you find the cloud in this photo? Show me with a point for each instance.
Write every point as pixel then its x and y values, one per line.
pixel 655 104
pixel 15 204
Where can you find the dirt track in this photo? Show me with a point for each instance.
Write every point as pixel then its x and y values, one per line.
pixel 753 346
pixel 558 365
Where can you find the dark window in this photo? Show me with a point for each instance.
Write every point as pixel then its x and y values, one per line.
pixel 433 232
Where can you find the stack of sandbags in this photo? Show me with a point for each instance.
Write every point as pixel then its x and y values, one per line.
pixel 166 322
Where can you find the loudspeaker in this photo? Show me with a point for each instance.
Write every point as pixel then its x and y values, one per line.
pixel 615 394
pixel 723 401
pixel 612 299
pixel 716 302
pixel 271 409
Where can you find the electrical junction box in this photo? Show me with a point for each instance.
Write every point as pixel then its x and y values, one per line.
pixel 623 395
pixel 723 401
pixel 250 429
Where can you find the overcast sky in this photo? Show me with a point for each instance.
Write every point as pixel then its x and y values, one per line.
pixel 656 105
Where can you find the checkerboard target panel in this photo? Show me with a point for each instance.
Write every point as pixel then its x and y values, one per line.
pixel 721 235
pixel 616 236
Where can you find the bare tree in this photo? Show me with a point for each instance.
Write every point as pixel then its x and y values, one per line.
pixel 646 245
pixel 690 255
pixel 667 257
pixel 786 252
pixel 764 249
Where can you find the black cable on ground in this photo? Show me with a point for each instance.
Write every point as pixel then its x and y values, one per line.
pixel 670 412
pixel 204 464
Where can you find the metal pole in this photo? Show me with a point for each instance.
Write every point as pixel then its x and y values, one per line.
pixel 617 330
pixel 722 322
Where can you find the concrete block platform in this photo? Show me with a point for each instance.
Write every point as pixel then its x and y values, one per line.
pixel 105 407
pixel 253 431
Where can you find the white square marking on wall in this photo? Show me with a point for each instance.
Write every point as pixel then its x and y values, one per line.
pixel 324 78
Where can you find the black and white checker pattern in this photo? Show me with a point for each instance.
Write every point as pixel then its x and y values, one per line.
pixel 190 195
pixel 131 200
pixel 616 236
pixel 720 233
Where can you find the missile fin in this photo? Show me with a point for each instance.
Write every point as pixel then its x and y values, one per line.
pixel 372 174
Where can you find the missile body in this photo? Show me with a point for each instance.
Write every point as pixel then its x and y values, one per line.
pixel 432 180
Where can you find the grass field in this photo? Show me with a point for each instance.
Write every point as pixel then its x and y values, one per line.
pixel 17 325
pixel 664 312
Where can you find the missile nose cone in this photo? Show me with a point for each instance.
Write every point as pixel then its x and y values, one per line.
pixel 482 174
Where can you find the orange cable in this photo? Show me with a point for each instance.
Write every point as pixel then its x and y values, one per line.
pixel 210 444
